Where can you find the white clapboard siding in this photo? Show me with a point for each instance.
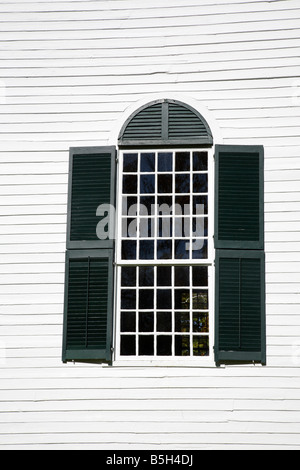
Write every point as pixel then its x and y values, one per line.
pixel 68 71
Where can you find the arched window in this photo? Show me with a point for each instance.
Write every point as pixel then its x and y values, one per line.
pixel 164 249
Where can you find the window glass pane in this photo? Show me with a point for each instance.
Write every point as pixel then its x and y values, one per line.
pixel 129 184
pixel 128 299
pixel 146 299
pixel 164 345
pixel 182 345
pixel 182 205
pixel 182 227
pixel 182 183
pixel 127 203
pixel 200 161
pixel 148 162
pixel 200 184
pixel 164 249
pixel 164 321
pixel 165 162
pixel 165 184
pixel 128 277
pixel 165 204
pixel 146 249
pixel 128 322
pixel 181 249
pixel 129 250
pixel 200 227
pixel 183 161
pixel 200 322
pixel 182 299
pixel 164 276
pixel 146 203
pixel 199 249
pixel 164 299
pixel 200 346
pixel 200 205
pixel 147 184
pixel 130 163
pixel 182 322
pixel 200 276
pixel 165 227
pixel 182 276
pixel 146 276
pixel 146 228
pixel 200 299
pixel 129 228
pixel 128 345
pixel 146 322
pixel 146 345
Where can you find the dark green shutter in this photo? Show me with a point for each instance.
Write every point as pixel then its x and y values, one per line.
pixel 91 184
pixel 88 312
pixel 239 197
pixel 240 258
pixel 240 306
pixel 88 305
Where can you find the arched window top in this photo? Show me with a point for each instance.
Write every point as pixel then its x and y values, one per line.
pixel 165 123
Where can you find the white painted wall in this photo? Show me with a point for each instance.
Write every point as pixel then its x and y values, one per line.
pixel 69 71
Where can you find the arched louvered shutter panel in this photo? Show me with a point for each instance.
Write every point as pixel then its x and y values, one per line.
pixel 185 124
pixel 165 122
pixel 145 124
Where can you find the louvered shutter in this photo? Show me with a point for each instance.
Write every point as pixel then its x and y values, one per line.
pixel 88 313
pixel 240 258
pixel 239 210
pixel 184 124
pixel 147 124
pixel 88 305
pixel 240 306
pixel 91 184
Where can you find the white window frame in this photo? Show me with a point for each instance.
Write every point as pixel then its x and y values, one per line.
pixel 167 361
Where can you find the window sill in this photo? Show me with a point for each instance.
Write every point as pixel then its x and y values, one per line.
pixel 172 363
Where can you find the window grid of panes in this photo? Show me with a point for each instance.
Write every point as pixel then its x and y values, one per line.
pixel 164 206
pixel 163 250
pixel 164 311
